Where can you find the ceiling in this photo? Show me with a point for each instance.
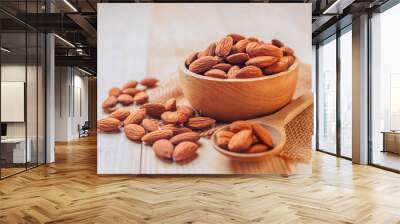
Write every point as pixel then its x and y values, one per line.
pixel 76 22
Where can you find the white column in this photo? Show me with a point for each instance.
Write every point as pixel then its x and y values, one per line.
pixel 360 90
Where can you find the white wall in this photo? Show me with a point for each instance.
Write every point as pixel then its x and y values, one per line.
pixel 71 102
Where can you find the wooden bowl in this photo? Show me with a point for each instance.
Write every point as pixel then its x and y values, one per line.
pixel 278 140
pixel 238 99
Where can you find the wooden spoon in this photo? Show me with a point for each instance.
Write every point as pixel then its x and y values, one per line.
pixel 275 124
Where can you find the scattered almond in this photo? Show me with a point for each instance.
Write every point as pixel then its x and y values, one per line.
pixel 120 114
pixel 187 136
pixel 111 101
pixel 135 117
pixel 163 148
pixel 125 99
pixel 134 132
pixel 197 123
pixel 108 124
pixel 150 125
pixel 170 104
pixel 130 84
pixel 153 136
pixel 175 129
pixel 114 91
pixel 184 151
pixel 149 82
pixel 174 117
pixel 186 110
pixel 131 91
pixel 154 109
pixel 141 98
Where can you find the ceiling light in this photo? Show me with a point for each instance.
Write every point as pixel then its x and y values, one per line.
pixel 65 41
pixel 70 5
pixel 5 50
pixel 84 71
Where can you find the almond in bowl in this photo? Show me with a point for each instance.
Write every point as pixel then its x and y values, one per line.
pixel 240 79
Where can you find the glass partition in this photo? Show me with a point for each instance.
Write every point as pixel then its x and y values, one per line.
pixel 385 90
pixel 346 93
pixel 22 77
pixel 327 96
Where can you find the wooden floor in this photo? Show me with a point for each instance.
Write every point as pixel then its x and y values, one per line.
pixel 69 191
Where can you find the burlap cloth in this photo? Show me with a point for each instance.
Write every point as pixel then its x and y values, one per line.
pixel 299 131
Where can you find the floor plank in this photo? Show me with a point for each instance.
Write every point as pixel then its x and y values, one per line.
pixel 70 191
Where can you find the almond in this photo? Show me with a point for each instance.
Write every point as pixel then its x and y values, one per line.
pixel 280 66
pixel 253 39
pixel 240 125
pixel 262 61
pixel 277 43
pixel 250 47
pixel 262 134
pixel 141 98
pixel 187 136
pixel 163 148
pixel 249 72
pixel 238 58
pixel 175 129
pixel 256 148
pixel 120 114
pixel 135 117
pixel 287 51
pixel 267 50
pixel 209 51
pixel 125 99
pixel 149 82
pixel 134 132
pixel 154 109
pixel 222 66
pixel 131 91
pixel 223 137
pixel 236 37
pixel 224 46
pixel 233 72
pixel 150 125
pixel 216 73
pixel 170 104
pixel 240 46
pixel 203 64
pixel 111 101
pixel 197 123
pixel 241 141
pixel 114 91
pixel 153 136
pixel 108 124
pixel 175 117
pixel 130 84
pixel 184 151
pixel 186 110
pixel 290 59
pixel 191 58
pixel 110 109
